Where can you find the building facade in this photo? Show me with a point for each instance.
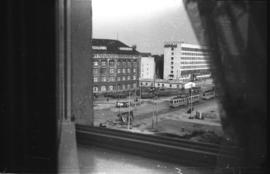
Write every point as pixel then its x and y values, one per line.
pixel 147 69
pixel 115 66
pixel 182 61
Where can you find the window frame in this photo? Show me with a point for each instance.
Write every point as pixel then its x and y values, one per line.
pixel 156 147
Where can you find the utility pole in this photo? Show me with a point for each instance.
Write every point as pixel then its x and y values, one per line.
pixel 135 100
pixel 153 116
pixel 156 114
pixel 155 94
pixel 154 102
pixel 118 99
pixel 140 92
pixel 128 109
pixel 190 101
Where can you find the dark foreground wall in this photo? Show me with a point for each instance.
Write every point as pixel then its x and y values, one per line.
pixel 28 87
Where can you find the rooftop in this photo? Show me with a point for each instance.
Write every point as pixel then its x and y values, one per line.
pixel 111 46
pixel 184 44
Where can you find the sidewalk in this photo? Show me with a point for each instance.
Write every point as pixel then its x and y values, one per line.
pixel 68 159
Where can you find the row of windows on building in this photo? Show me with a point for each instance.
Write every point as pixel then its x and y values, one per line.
pixel 195 58
pixel 112 70
pixel 195 62
pixel 113 79
pixel 195 54
pixel 181 75
pixel 195 71
pixel 112 63
pixel 114 87
pixel 195 49
pixel 194 67
pixel 160 84
pixel 147 69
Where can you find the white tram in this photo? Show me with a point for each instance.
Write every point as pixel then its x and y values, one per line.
pixel 184 100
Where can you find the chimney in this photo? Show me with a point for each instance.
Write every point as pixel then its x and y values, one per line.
pixel 134 47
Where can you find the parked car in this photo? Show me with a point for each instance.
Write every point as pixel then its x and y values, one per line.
pixel 123 104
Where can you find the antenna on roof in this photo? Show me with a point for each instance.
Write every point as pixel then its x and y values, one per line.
pixel 117 36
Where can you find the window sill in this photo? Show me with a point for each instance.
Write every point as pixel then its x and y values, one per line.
pixel 156 147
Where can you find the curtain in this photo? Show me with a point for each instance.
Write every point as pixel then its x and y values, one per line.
pixel 236 31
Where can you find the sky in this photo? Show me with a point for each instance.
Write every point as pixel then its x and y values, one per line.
pixel 144 23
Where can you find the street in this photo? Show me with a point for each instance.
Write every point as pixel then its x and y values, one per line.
pixel 165 119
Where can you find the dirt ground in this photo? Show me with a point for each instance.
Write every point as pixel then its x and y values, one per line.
pixel 156 117
pixel 167 121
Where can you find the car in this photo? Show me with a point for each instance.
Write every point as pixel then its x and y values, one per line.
pixel 191 117
pixel 122 104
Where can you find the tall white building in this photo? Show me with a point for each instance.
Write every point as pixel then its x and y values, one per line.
pixel 181 60
pixel 147 66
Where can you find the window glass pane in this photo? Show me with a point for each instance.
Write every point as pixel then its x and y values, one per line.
pixel 164 75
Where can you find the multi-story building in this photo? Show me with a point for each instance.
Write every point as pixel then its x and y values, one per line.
pixel 182 61
pixel 147 69
pixel 115 66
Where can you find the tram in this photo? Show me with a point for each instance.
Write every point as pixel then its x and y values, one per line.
pixel 186 97
pixel 209 94
pixel 183 100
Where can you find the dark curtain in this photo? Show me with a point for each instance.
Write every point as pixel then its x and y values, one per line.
pixel 237 31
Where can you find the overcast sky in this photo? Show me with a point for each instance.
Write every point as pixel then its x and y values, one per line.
pixel 145 23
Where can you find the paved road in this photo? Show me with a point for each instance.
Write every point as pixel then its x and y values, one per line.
pixel 145 111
